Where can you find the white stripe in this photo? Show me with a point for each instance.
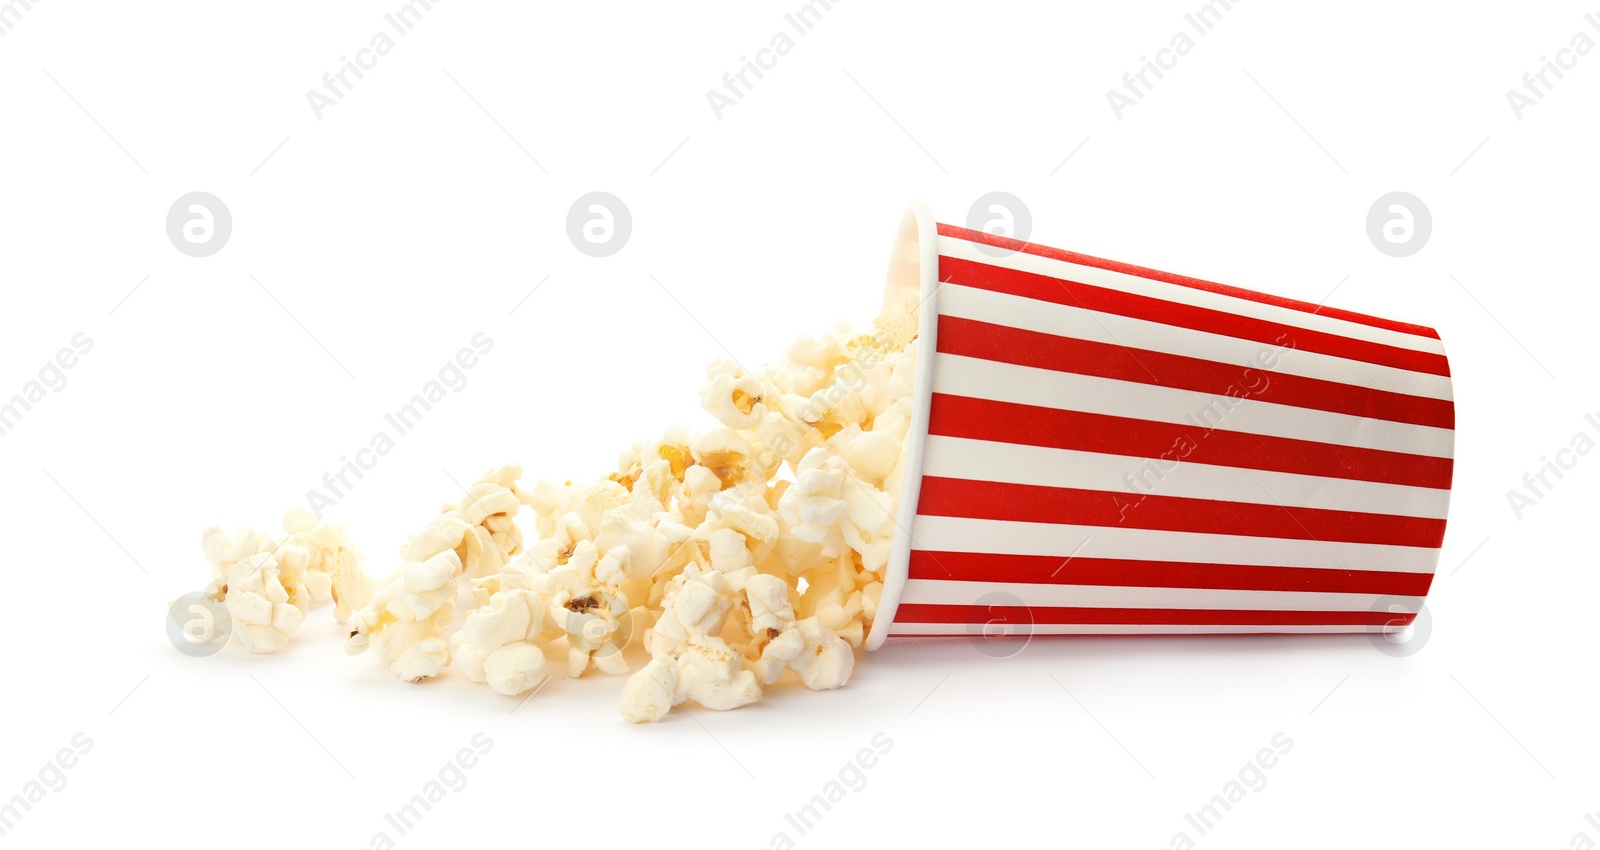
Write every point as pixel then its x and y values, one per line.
pixel 976 631
pixel 1000 308
pixel 940 592
pixel 1133 284
pixel 1009 463
pixel 1004 537
pixel 987 379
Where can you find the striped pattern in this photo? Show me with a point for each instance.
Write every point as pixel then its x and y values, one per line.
pixel 1116 450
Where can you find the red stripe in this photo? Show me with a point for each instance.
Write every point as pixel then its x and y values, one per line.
pixel 1114 572
pixel 1182 280
pixel 978 615
pixel 1004 635
pixel 1072 293
pixel 1004 344
pixel 1005 422
pixel 1006 502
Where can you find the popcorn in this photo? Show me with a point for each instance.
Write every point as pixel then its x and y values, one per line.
pixel 559 589
pixel 706 669
pixel 813 506
pixel 586 610
pixel 736 399
pixel 333 569
pixel 406 620
pixel 497 643
pixel 490 537
pixel 751 549
pixel 651 692
pixel 709 673
pixel 778 640
pixel 268 583
pixel 265 598
pixel 873 455
pixel 825 662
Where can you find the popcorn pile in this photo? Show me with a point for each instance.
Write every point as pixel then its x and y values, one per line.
pixel 741 552
pixel 268 583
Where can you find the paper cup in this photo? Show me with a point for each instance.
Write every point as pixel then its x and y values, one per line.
pixel 1100 448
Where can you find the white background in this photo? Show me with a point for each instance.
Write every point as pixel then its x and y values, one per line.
pixel 418 211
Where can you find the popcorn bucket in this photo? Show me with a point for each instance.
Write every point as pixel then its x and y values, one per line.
pixel 1100 448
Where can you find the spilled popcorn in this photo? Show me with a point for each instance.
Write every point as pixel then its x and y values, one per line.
pixel 738 553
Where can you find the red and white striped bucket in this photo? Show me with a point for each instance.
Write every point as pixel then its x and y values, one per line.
pixel 1100 448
